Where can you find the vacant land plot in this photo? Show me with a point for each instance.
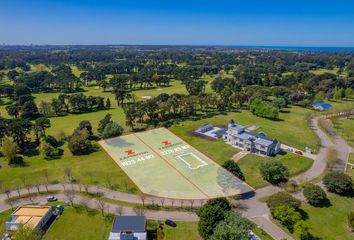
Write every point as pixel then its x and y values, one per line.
pixel 162 164
pixel 250 166
pixel 331 222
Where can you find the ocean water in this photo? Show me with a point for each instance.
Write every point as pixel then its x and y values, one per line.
pixel 295 48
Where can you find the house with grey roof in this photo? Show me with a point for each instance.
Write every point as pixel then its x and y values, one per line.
pixel 128 228
pixel 258 143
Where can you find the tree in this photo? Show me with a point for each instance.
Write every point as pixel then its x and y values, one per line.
pixel 314 195
pixel 223 203
pixel 349 93
pixel 41 124
pixel 263 109
pixel 209 218
pixel 108 103
pixel 288 216
pixel 84 124
pixel 103 123
pixel 9 150
pixel 351 220
pixel 279 103
pixel 18 130
pixel 233 227
pixel 282 199
pixel 339 183
pixel 233 167
pixel 111 130
pixel 13 110
pixel 79 143
pixel 48 150
pixel 273 170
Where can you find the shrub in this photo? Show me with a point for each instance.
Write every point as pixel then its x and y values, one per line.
pixel 351 220
pixel 314 195
pixel 48 150
pixel 209 218
pixel 261 108
pixel 51 140
pixel 273 170
pixel 112 130
pixel 288 216
pixel 232 167
pixel 223 203
pixel 339 183
pixel 79 143
pixel 282 199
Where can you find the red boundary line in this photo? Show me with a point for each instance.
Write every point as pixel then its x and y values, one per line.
pixel 172 166
pixel 136 185
pixel 188 199
pixel 212 161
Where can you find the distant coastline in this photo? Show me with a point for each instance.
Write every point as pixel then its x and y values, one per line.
pixel 284 48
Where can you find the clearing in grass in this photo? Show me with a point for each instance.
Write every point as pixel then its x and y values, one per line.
pixel 163 165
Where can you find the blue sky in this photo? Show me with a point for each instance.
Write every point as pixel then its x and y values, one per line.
pixel 193 22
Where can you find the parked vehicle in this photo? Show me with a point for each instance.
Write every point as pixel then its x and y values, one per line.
pixel 170 223
pixel 298 152
pixel 52 199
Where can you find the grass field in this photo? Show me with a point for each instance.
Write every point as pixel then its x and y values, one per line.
pixel 93 169
pixel 159 151
pixel 350 171
pixel 184 230
pixel 250 167
pixel 331 223
pixel 345 129
pixel 78 223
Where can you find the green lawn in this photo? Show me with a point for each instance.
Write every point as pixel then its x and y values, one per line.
pixel 78 223
pixel 321 71
pixel 95 169
pixel 350 171
pixel 250 167
pixel 184 230
pixel 331 223
pixel 292 128
pixel 345 128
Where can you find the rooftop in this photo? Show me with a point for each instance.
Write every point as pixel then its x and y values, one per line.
pixel 129 224
pixel 29 215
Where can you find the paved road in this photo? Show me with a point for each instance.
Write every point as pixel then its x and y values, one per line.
pixel 259 213
pixel 110 208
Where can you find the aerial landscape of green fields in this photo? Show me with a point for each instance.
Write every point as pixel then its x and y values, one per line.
pixel 176 120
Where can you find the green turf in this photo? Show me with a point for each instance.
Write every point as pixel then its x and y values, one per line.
pixel 179 170
pixel 321 71
pixel 184 230
pixel 350 170
pixel 250 167
pixel 292 129
pixel 79 223
pixel 95 169
pixel 331 223
pixel 345 129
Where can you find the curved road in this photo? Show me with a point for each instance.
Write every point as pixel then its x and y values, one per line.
pixel 251 207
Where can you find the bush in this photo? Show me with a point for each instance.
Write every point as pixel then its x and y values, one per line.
pixel 48 150
pixel 51 140
pixel 232 167
pixel 282 199
pixel 261 108
pixel 273 170
pixel 79 143
pixel 315 195
pixel 112 130
pixel 287 216
pixel 223 203
pixel 209 218
pixel 351 220
pixel 339 183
